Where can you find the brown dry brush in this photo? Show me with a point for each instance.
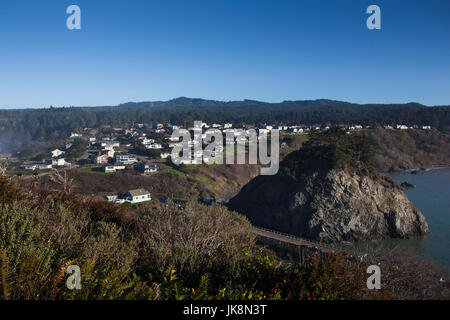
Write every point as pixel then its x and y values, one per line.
pixel 163 252
pixel 404 273
pixel 192 239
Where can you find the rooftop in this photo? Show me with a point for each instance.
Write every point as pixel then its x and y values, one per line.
pixel 138 192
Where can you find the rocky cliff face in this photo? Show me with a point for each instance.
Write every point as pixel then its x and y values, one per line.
pixel 333 204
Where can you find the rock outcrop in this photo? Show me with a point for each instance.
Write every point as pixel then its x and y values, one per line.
pixel 407 184
pixel 332 204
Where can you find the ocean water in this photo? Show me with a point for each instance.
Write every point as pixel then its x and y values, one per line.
pixel 432 196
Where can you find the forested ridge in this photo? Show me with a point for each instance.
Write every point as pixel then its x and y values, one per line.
pixel 22 126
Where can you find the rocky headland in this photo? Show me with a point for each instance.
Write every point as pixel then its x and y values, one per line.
pixel 329 190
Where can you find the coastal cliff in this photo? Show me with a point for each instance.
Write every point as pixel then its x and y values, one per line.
pixel 325 190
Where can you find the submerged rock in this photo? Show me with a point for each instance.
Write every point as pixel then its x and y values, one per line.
pixel 407 184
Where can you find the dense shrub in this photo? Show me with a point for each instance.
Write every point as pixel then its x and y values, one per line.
pixel 9 192
pixel 408 149
pixel 157 252
pixel 193 240
pixel 331 149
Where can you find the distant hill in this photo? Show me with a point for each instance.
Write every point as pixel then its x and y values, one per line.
pixel 18 127
pixel 409 149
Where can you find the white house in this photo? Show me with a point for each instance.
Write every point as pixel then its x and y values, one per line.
pixel 109 152
pixel 148 168
pixel 164 155
pixel 137 195
pixel 54 162
pixel 109 143
pixel 126 159
pixel 100 158
pixel 60 162
pixel 108 169
pixel 145 140
pixel 153 146
pixel 111 197
pixel 56 153
pixel 44 166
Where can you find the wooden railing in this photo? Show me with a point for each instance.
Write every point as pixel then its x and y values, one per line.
pixel 289 238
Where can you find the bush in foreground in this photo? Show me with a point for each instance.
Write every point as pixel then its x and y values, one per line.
pixel 153 252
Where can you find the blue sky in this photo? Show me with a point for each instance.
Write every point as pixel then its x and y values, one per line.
pixel 223 49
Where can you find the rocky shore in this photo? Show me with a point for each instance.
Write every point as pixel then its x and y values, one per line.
pixel 331 204
pixel 330 190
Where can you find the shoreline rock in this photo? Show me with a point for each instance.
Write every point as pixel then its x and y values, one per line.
pixel 406 184
pixel 335 205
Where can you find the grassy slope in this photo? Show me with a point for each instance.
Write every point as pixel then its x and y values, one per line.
pixel 409 149
pixel 184 182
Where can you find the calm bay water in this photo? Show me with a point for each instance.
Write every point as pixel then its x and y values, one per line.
pixel 432 196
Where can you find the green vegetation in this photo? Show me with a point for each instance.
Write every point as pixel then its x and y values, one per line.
pixel 408 149
pixel 150 252
pixel 27 153
pixel 94 170
pixel 79 146
pixel 30 153
pixel 331 149
pixel 21 127
pixel 143 151
pixel 172 169
pixel 176 251
pixel 40 156
pixel 9 192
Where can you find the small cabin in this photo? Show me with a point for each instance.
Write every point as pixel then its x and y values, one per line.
pixel 138 195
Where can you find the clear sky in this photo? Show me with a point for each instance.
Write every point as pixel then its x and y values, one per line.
pixel 223 49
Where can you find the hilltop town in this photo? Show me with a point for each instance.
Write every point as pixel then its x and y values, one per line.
pixel 145 150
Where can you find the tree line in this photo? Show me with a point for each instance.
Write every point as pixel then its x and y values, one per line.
pixel 21 127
